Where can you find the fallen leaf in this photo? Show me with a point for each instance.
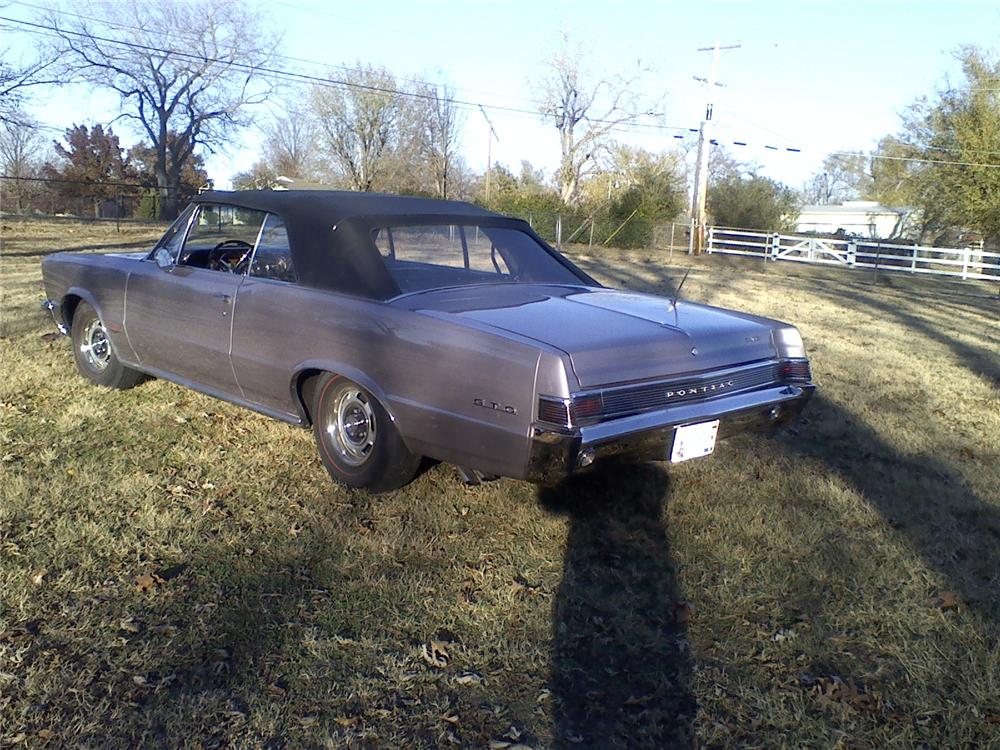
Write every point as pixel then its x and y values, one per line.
pixel 435 654
pixel 944 600
pixel 145 582
pixel 513 733
pixel 346 721
pixel 453 719
pixel 784 634
pixel 129 625
pixel 469 678
pixel 683 611
pixel 46 734
pixel 39 576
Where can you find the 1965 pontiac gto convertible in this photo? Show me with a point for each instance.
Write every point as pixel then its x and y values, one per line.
pixel 403 327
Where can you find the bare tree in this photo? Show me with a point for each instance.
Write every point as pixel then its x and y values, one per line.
pixel 22 149
pixel 585 113
pixel 185 74
pixel 440 124
pixel 290 143
pixel 17 77
pixel 360 124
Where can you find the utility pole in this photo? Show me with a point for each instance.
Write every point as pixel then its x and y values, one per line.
pixel 489 151
pixel 698 218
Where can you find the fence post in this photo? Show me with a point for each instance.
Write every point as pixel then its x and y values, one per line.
pixel 852 253
pixel 559 231
pixel 531 223
pixel 708 240
pixel 913 260
pixel 775 246
pixel 965 263
pixel 670 252
pixel 691 224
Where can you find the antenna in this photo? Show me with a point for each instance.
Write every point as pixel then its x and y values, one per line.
pixel 677 291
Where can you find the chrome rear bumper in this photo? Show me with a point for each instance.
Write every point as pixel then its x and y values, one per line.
pixel 53 308
pixel 649 436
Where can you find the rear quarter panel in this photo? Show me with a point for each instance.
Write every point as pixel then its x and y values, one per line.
pixel 428 373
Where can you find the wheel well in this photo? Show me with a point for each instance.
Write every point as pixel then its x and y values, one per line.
pixel 68 308
pixel 303 391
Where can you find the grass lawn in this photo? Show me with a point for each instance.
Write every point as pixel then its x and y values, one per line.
pixel 178 572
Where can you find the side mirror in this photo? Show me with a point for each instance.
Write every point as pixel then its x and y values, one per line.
pixel 163 258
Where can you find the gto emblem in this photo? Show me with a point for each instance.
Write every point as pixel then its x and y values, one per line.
pixel 494 406
pixel 695 390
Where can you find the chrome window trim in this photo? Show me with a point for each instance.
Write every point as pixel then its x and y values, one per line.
pixel 187 228
pixel 253 256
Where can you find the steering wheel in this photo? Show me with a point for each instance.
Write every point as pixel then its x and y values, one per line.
pixel 220 257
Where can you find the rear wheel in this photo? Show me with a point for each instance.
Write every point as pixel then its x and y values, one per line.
pixel 95 356
pixel 357 441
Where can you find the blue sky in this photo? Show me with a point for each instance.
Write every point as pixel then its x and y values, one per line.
pixel 818 76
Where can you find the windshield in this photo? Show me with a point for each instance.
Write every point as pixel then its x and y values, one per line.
pixel 446 255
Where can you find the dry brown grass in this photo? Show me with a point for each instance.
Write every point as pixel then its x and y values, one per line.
pixel 175 571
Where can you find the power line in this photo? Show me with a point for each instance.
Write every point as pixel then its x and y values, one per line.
pixel 91 183
pixel 282 74
pixel 291 58
pixel 287 75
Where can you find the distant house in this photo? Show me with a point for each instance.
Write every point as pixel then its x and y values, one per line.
pixel 860 218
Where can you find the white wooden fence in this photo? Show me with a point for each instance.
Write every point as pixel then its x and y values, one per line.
pixel 965 262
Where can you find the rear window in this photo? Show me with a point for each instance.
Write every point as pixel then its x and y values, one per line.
pixel 420 258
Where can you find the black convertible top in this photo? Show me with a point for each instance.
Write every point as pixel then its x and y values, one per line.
pixel 329 231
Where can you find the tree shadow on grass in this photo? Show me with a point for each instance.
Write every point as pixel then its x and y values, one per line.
pixel 621 669
pixel 984 361
pixel 923 498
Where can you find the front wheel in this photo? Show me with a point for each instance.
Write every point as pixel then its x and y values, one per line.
pixel 358 443
pixel 95 357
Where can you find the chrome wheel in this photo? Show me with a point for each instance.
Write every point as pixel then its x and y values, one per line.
pixel 95 346
pixel 350 425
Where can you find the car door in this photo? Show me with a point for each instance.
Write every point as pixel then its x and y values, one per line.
pixel 272 311
pixel 179 314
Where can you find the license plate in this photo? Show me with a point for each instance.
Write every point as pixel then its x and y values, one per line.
pixel 694 441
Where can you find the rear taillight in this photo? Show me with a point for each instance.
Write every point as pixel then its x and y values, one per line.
pixel 553 411
pixel 795 371
pixel 571 412
pixel 585 409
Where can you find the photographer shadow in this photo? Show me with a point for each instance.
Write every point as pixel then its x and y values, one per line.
pixel 621 666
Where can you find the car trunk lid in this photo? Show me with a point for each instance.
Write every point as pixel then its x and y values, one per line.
pixel 610 336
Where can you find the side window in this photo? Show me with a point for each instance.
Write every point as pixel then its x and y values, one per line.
pixel 222 238
pixel 445 245
pixel 273 259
